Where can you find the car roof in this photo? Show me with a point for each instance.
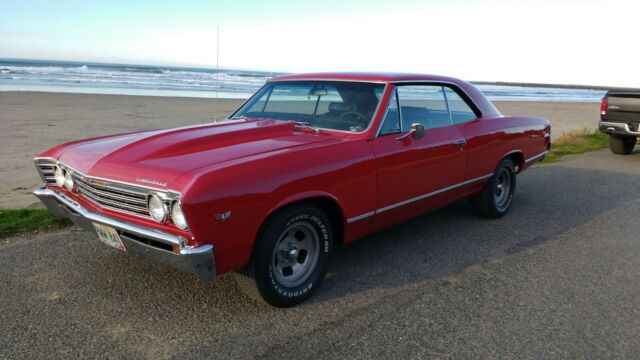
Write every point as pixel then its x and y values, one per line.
pixel 475 96
pixel 365 77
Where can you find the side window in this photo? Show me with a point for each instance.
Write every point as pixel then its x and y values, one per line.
pixel 391 122
pixel 460 110
pixel 424 104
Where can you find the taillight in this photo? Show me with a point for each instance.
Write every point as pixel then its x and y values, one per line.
pixel 604 106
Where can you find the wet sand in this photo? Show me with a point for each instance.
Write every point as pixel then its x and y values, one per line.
pixel 32 122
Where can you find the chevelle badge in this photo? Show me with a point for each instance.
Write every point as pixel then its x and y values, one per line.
pixel 151 181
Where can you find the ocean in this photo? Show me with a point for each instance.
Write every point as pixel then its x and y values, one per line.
pixel 122 79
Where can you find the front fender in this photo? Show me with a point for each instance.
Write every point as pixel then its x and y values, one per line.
pixel 306 195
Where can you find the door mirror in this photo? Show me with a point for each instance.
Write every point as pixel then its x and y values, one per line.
pixel 416 129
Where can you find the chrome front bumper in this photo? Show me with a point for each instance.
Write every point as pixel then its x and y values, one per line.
pixel 159 246
pixel 609 127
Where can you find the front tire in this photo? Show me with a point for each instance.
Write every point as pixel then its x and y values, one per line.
pixel 495 199
pixel 290 257
pixel 621 145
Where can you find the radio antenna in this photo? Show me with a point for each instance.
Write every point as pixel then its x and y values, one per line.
pixel 217 59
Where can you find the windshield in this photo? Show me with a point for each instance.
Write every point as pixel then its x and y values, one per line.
pixel 336 105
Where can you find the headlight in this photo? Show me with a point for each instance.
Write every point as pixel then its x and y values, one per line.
pixel 68 181
pixel 157 208
pixel 59 175
pixel 178 216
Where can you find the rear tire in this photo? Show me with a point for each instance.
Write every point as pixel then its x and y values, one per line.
pixel 495 199
pixel 290 257
pixel 621 145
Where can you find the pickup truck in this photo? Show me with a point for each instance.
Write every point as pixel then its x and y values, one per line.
pixel 620 118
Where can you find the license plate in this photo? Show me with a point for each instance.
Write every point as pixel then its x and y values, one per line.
pixel 109 236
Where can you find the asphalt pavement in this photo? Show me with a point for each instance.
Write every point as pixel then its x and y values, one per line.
pixel 556 278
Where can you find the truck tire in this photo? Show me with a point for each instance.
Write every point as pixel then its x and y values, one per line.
pixel 290 257
pixel 621 145
pixel 495 199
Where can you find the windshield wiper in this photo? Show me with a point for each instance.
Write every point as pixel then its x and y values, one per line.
pixel 307 125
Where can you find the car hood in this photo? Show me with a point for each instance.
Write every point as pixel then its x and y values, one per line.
pixel 158 158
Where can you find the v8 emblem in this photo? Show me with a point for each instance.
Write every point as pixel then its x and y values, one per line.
pixel 223 216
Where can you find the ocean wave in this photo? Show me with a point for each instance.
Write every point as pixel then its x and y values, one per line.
pixel 151 78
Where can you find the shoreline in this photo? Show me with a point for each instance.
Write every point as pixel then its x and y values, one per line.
pixel 36 121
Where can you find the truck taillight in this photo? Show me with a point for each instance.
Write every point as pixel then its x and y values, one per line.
pixel 604 106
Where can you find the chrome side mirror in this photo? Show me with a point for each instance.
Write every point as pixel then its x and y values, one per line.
pixel 416 129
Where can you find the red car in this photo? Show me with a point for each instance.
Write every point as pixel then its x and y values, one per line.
pixel 308 163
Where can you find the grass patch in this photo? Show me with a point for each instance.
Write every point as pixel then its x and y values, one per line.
pixel 18 221
pixel 576 142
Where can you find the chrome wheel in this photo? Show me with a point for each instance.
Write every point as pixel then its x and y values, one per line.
pixel 502 194
pixel 296 254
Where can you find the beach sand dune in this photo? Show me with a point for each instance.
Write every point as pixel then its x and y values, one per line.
pixel 32 122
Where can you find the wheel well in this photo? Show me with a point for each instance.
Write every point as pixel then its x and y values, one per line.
pixel 517 158
pixel 330 208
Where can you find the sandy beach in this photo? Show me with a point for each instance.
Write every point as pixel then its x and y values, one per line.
pixel 32 122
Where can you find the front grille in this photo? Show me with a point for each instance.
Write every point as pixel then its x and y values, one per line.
pixel 46 171
pixel 104 193
pixel 112 196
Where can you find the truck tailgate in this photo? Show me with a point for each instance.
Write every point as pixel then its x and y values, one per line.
pixel 623 107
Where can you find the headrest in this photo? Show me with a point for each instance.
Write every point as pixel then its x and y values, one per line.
pixel 339 107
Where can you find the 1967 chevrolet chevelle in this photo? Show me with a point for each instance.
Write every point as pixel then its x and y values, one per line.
pixel 308 163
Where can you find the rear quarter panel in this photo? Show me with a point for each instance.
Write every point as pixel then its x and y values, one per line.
pixel 491 139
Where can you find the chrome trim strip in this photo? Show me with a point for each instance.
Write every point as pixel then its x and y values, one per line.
pixel 443 82
pixel 40 158
pixel 115 204
pixel 394 94
pixel 272 80
pixel 433 193
pixel 417 198
pixel 446 101
pixel 360 217
pixel 536 157
pixel 113 196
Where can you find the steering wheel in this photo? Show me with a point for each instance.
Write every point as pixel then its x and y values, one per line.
pixel 357 117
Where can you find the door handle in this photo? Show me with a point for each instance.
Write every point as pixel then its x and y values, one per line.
pixel 461 143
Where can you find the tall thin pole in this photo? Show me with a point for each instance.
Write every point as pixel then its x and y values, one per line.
pixel 217 59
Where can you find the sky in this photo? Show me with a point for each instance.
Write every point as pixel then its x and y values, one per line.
pixel 585 42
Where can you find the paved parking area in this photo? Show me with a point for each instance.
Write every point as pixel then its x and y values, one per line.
pixel 556 278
